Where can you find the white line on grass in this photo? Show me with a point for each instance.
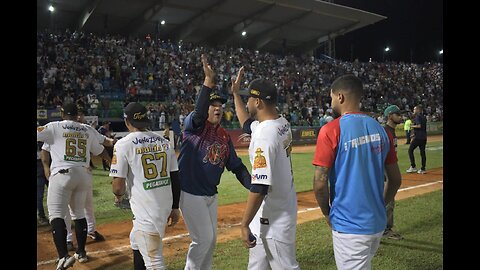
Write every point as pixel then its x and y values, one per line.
pixel 118 249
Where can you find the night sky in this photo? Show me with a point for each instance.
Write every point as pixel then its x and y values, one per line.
pixel 413 30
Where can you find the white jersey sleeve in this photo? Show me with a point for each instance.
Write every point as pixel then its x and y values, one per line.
pixel 173 160
pixel 46 147
pixel 263 159
pixel 119 166
pixel 96 147
pixel 45 133
pixel 100 137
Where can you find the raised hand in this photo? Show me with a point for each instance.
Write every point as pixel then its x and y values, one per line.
pixel 236 81
pixel 209 73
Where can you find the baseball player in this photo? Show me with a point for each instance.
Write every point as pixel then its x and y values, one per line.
pixel 268 225
pixel 70 179
pixel 89 213
pixel 146 162
pixel 206 151
pixel 352 154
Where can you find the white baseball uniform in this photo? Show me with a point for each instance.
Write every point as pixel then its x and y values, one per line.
pixel 70 146
pixel 89 213
pixel 274 224
pixel 146 159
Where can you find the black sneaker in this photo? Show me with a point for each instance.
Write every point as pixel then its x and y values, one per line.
pixel 96 236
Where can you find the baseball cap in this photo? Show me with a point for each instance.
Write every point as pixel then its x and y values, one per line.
pixel 216 96
pixel 392 109
pixel 136 114
pixel 70 109
pixel 260 88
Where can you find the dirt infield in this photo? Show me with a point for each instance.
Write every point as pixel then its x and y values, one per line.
pixel 116 250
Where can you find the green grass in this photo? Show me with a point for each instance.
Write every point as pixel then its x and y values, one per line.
pixel 231 191
pixel 419 219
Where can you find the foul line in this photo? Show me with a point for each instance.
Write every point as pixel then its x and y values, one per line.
pixel 231 225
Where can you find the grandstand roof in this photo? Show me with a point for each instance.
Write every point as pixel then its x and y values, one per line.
pixel 300 25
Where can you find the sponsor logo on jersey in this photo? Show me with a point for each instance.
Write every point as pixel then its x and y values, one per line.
pixel 216 154
pixel 113 170
pixel 75 159
pixel 40 129
pixel 156 183
pixel 114 159
pixel 256 177
pixel 259 161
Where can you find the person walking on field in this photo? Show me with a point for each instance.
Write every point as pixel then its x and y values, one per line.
pixel 419 139
pixel 205 152
pixel 148 164
pixel 352 154
pixel 407 126
pixel 268 225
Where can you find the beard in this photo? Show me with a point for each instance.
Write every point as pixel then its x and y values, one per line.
pixel 335 113
pixel 252 113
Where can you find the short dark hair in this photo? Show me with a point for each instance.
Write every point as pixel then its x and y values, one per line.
pixel 349 83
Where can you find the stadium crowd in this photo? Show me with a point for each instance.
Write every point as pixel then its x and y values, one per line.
pixel 82 67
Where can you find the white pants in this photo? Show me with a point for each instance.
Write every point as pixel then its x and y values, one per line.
pixel 200 215
pixel 273 253
pixel 150 245
pixel 68 188
pixel 89 215
pixel 355 251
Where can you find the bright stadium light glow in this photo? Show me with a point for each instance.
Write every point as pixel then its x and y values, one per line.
pixel 387 49
pixel 441 51
pixel 51 8
pixel 244 33
pixel 162 22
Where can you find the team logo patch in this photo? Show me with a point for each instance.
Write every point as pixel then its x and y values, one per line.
pixel 40 129
pixel 216 154
pixel 259 161
pixel 114 159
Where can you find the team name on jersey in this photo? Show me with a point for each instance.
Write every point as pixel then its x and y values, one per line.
pixel 147 140
pixel 362 140
pixel 71 127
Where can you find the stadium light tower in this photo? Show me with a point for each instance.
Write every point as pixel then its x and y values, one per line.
pixel 162 22
pixel 441 51
pixel 244 33
pixel 51 8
